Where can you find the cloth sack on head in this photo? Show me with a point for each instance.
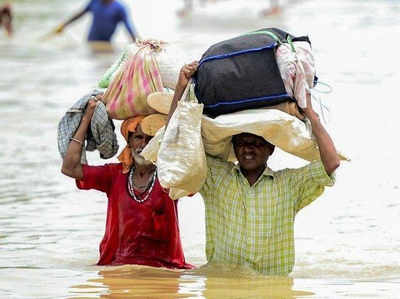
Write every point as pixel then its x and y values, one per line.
pixel 170 58
pixel 126 95
pixel 279 128
pixel 118 66
pixel 161 102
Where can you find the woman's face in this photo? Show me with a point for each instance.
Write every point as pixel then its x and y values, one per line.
pixel 137 142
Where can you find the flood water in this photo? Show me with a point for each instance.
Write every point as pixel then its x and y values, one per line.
pixel 347 242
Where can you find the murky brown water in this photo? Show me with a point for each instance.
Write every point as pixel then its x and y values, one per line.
pixel 347 242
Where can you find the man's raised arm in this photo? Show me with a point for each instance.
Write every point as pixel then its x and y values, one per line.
pixel 327 150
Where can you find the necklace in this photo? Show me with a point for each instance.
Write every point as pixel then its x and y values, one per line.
pixel 132 191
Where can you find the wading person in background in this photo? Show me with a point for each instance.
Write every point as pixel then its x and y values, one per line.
pixel 6 18
pixel 142 221
pixel 250 209
pixel 188 7
pixel 274 9
pixel 107 14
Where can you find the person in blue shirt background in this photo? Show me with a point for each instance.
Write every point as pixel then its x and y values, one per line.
pixel 107 14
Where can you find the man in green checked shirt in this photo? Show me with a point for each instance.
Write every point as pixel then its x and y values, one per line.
pixel 250 209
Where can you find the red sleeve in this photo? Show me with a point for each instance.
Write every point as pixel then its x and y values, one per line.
pixel 96 177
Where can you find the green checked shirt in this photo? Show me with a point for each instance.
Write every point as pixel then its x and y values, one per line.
pixel 254 225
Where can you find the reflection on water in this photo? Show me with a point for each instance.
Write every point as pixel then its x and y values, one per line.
pixel 346 242
pixel 207 282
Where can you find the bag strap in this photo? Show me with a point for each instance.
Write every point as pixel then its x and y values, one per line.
pixel 280 41
pixel 245 51
pixel 290 42
pixel 185 97
pixel 267 32
pixel 223 56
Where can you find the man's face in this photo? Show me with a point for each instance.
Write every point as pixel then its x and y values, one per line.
pixel 252 151
pixel 137 142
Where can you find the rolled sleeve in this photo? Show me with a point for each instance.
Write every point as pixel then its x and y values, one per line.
pixel 95 177
pixel 310 181
pixel 318 174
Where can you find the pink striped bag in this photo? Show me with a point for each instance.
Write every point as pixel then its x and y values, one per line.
pixel 127 93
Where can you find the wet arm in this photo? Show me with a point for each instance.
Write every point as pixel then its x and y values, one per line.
pixel 130 27
pixel 132 32
pixel 328 153
pixel 73 19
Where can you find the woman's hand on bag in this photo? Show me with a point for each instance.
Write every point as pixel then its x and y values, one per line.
pixel 186 73
pixel 91 106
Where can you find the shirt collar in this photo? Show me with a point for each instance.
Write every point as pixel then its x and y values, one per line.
pixel 267 171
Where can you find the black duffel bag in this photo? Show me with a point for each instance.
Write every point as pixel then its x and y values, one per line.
pixel 242 73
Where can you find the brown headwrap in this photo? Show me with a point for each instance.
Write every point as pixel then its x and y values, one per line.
pixel 125 157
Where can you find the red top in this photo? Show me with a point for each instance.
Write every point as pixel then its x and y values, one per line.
pixel 144 233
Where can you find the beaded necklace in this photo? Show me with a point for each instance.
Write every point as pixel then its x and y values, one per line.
pixel 132 191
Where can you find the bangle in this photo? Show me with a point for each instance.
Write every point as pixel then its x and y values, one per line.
pixel 77 140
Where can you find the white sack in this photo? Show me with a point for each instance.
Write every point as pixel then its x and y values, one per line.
pixel 279 128
pixel 150 152
pixel 181 161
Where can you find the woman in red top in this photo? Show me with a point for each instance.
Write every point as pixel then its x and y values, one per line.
pixel 142 221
